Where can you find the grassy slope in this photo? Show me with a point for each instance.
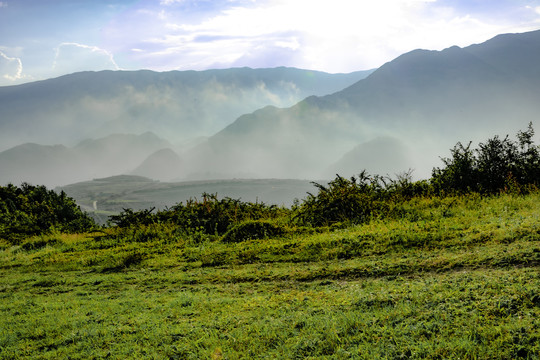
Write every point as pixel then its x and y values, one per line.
pixel 453 278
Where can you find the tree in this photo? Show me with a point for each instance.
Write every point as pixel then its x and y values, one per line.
pixel 33 210
pixel 496 164
pixel 460 172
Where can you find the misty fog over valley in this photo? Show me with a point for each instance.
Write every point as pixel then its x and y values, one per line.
pixel 275 123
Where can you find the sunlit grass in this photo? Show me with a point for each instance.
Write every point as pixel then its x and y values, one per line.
pixel 450 278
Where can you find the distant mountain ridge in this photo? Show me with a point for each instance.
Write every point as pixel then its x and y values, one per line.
pixel 427 100
pixel 405 115
pixel 54 165
pixel 176 105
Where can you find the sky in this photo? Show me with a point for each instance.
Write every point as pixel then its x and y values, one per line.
pixel 42 39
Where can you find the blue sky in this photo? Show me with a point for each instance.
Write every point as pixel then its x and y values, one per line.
pixel 42 39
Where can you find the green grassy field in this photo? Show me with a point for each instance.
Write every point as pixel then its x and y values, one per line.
pixel 453 278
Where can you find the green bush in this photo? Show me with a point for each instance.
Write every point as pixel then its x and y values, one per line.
pixel 128 217
pixel 496 165
pixel 209 217
pixel 33 210
pixel 343 200
pixel 359 199
pixel 253 229
pixel 215 216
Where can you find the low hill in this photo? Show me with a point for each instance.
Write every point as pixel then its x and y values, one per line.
pixel 111 195
pixel 164 164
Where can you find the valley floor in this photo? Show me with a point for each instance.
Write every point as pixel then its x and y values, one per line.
pixel 459 279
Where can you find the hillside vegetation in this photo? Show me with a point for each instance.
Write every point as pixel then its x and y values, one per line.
pixel 365 268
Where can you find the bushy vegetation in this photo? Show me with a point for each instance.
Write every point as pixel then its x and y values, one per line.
pixel 496 165
pixel 32 210
pixel 210 217
pixel 358 199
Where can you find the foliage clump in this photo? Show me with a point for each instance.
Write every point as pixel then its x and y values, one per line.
pixel 215 216
pixel 342 200
pixel 358 199
pixel 128 218
pixel 211 216
pixel 33 210
pixel 252 230
pixel 496 165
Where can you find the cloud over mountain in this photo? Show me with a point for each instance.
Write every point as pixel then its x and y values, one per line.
pixel 72 57
pixel 336 36
pixel 184 107
pixel 10 67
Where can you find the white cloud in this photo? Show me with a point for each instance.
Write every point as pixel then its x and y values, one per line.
pixel 11 68
pixel 342 35
pixel 291 43
pixel 334 36
pixel 3 4
pixel 169 2
pixel 72 57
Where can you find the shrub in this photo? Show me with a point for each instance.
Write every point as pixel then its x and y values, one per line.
pixel 128 217
pixel 215 216
pixel 34 210
pixel 252 229
pixel 496 165
pixel 209 217
pixel 359 199
pixel 354 199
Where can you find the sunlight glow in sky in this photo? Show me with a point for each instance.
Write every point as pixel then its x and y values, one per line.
pixel 41 39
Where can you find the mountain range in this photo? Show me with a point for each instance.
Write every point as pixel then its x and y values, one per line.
pixel 176 105
pixel 404 115
pixel 54 165
pixel 425 100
